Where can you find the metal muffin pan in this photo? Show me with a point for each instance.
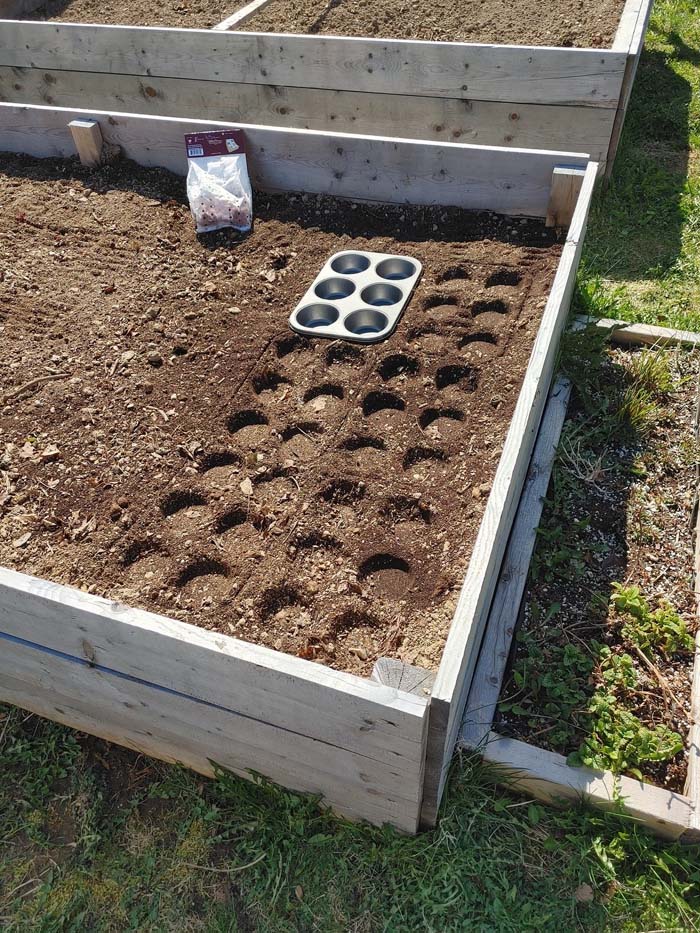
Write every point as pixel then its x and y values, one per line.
pixel 357 296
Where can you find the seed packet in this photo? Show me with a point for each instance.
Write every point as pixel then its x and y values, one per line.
pixel 218 187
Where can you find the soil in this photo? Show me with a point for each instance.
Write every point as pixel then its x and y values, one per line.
pixel 640 535
pixel 192 14
pixel 525 22
pixel 188 454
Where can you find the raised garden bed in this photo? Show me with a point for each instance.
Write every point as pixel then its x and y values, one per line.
pixel 606 664
pixel 226 487
pixel 530 96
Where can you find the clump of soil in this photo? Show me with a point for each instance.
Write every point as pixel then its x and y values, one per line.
pixel 629 506
pixel 525 22
pixel 169 442
pixel 195 14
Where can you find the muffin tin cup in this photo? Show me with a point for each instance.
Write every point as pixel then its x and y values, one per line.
pixel 358 296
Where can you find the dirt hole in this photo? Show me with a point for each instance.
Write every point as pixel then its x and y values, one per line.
pixel 289 344
pixel 181 499
pixel 406 509
pixel 377 563
pixel 343 353
pixel 455 273
pixel 201 567
pixel 343 492
pixel 482 337
pixel 464 376
pixel 279 597
pixel 328 388
pixel 418 454
pixel 138 549
pixel 438 300
pixel 397 365
pixel 302 427
pixel 362 441
pixel 231 518
pixel 316 539
pixel 245 419
pixel 268 381
pixel 352 619
pixel 432 414
pixel 494 307
pixel 219 458
pixel 378 401
pixel 503 277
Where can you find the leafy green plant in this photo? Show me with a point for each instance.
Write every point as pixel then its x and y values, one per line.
pixel 661 629
pixel 619 741
pixel 551 680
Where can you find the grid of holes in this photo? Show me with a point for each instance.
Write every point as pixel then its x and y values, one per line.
pixel 329 399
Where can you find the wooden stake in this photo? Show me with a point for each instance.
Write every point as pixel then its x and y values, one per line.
pixel 87 137
pixel 563 195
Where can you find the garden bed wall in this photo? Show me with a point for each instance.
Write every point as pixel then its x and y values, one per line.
pixel 168 689
pixel 513 96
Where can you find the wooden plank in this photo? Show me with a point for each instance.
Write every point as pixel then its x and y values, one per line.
pixel 692 784
pixel 459 657
pixel 628 24
pixel 546 776
pixel 650 335
pixel 509 181
pixel 566 186
pixel 443 69
pixel 88 141
pixel 240 16
pixel 176 728
pixel 634 53
pixel 248 680
pixel 527 126
pixel 495 647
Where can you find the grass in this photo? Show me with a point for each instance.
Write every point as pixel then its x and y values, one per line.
pixel 96 839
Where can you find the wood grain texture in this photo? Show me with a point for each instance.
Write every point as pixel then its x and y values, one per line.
pixel 566 186
pixel 465 71
pixel 527 126
pixel 407 677
pixel 105 666
pixel 509 181
pixel 546 776
pixel 216 669
pixel 495 648
pixel 87 137
pixel 176 728
pixel 459 657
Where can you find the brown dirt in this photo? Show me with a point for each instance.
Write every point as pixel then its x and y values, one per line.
pixel 314 496
pixel 193 14
pixel 525 22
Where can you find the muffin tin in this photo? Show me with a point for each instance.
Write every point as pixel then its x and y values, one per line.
pixel 357 296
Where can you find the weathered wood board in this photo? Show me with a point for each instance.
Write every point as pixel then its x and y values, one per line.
pixel 364 168
pixel 516 96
